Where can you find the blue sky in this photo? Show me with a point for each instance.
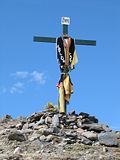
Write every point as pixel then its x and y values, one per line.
pixel 29 71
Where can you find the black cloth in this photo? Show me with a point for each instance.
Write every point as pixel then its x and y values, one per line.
pixel 61 53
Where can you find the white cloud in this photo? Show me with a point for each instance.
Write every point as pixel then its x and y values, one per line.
pixel 35 76
pixel 17 88
pixel 38 77
pixel 23 79
pixel 20 75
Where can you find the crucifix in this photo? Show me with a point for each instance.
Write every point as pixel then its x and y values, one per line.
pixel 65 44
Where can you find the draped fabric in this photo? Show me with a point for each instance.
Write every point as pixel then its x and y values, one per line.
pixel 66 53
pixel 67 58
pixel 65 91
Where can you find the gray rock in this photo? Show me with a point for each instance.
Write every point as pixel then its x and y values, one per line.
pixel 93 119
pixel 51 130
pixel 108 139
pixel 106 128
pixel 17 150
pixel 34 136
pixel 6 119
pixel 86 141
pixel 49 138
pixel 35 117
pixel 118 134
pixel 75 127
pixel 93 127
pixel 31 125
pixel 34 146
pixel 84 115
pixel 48 120
pixel 72 112
pixel 68 141
pixel 79 123
pixel 26 131
pixel 19 125
pixel 18 136
pixel 105 149
pixel 90 135
pixel 71 135
pixel 55 121
pixel 42 138
pixel 41 121
pixel 25 126
pixel 71 119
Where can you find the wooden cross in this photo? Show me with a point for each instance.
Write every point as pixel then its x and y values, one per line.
pixel 65 22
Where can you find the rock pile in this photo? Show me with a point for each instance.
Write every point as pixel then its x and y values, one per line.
pixel 51 135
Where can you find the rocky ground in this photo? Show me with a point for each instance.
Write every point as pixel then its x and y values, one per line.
pixel 49 135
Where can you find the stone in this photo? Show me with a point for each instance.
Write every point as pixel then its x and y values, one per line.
pixel 108 139
pixel 42 138
pixel 93 127
pixel 19 126
pixel 71 120
pixel 17 150
pixel 92 119
pixel 68 141
pixel 85 140
pixel 72 112
pixel 34 136
pixel 71 135
pixel 79 123
pixel 6 119
pixel 49 138
pixel 41 121
pixel 75 127
pixel 106 128
pixel 90 135
pixel 31 125
pixel 12 126
pixel 83 115
pixel 25 126
pixel 105 149
pixel 79 131
pixel 26 131
pixel 34 146
pixel 55 121
pixel 48 131
pixel 48 120
pixel 15 157
pixel 35 117
pixel 18 136
pixel 118 134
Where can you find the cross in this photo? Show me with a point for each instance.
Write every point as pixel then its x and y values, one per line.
pixel 65 22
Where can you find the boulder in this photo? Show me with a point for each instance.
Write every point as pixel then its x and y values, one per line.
pixel 55 121
pixel 90 135
pixel 93 127
pixel 108 139
pixel 18 136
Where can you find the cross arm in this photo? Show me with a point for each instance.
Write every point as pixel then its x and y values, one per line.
pixel 44 39
pixel 53 40
pixel 85 42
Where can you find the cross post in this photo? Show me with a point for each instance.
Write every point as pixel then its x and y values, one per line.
pixel 65 22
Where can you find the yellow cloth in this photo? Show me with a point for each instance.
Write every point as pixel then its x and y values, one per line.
pixel 65 91
pixel 75 60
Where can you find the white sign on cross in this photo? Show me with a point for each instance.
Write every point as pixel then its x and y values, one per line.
pixel 65 20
